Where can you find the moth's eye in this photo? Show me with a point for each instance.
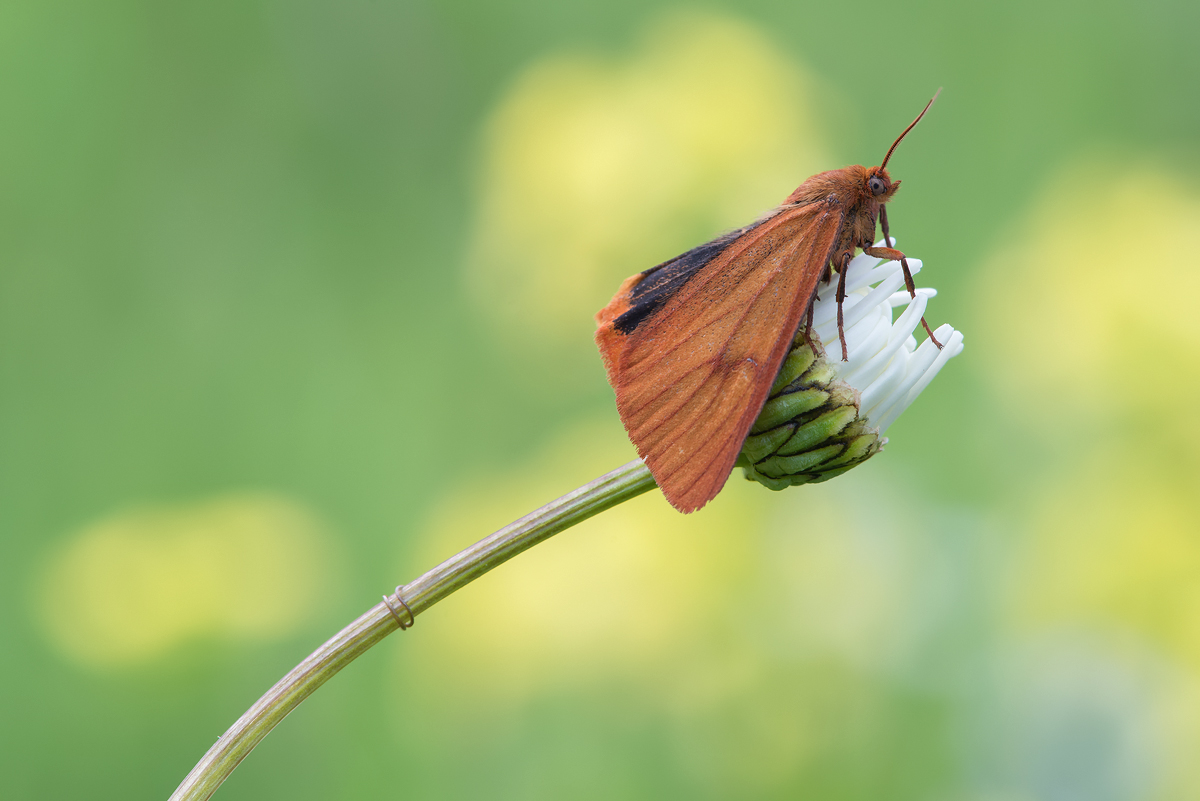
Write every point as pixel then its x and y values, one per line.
pixel 876 186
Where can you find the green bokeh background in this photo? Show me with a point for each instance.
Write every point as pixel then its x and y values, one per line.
pixel 237 243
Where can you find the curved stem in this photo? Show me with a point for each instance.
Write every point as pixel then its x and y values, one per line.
pixel 613 488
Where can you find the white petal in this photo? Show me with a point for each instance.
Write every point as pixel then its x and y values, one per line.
pixel 898 336
pixel 923 368
pixel 886 366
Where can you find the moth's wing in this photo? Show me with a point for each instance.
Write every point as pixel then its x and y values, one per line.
pixel 692 346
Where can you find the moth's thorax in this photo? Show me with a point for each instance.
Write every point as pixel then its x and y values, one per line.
pixel 851 190
pixel 849 186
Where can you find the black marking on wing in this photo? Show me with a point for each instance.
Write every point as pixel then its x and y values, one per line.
pixel 660 283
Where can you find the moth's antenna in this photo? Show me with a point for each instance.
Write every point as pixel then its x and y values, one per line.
pixel 909 128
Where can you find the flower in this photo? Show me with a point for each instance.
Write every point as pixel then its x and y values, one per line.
pixel 824 415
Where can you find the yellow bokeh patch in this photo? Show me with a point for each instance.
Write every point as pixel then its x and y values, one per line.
pixel 1092 331
pixel 1090 309
pixel 596 167
pixel 126 589
pixel 1111 550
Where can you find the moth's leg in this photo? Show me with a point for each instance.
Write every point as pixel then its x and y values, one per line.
pixel 841 296
pixel 887 240
pixel 892 254
pixel 808 324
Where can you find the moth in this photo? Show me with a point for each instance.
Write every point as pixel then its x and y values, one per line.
pixel 693 345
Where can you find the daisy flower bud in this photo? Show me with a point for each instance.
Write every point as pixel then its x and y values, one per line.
pixel 825 416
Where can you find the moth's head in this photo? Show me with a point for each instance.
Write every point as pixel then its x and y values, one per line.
pixel 878 185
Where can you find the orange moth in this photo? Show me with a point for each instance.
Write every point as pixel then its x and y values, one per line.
pixel 693 345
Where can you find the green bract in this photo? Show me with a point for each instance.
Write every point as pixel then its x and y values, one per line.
pixel 810 429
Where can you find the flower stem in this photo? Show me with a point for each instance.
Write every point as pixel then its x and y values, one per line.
pixel 613 488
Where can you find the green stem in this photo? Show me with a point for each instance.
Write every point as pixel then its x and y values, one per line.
pixel 351 642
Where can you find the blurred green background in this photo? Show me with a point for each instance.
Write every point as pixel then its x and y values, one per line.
pixel 295 301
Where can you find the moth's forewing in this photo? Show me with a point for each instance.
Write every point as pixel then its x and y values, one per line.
pixel 693 345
